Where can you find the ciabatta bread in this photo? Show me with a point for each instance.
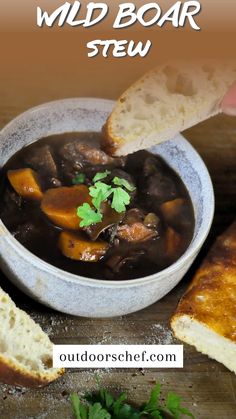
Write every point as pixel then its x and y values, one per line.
pixel 25 350
pixel 164 102
pixel 206 315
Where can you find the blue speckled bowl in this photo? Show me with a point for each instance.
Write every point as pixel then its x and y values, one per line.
pixel 78 295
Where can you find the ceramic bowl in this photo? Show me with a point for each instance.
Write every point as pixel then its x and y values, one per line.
pixel 79 295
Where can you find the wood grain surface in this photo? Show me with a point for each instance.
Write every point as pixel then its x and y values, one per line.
pixel 208 389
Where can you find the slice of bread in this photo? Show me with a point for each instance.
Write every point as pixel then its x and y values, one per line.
pixel 164 102
pixel 206 314
pixel 25 350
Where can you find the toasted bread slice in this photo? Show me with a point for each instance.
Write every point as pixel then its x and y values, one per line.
pixel 25 350
pixel 206 314
pixel 164 102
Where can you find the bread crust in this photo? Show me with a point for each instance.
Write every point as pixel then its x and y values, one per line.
pixel 13 375
pixel 211 297
pixel 108 143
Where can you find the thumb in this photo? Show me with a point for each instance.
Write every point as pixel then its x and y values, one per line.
pixel 228 104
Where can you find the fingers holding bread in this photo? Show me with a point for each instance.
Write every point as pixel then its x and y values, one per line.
pixel 164 102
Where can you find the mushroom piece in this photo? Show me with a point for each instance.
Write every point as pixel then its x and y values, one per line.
pixel 118 260
pixel 157 184
pixel 110 218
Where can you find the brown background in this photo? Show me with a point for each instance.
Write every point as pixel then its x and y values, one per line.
pixel 58 62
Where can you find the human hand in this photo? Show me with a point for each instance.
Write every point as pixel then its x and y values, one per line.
pixel 228 104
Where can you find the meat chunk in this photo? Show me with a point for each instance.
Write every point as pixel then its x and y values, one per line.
pixel 133 228
pixel 134 215
pixel 41 160
pixel 76 155
pixel 135 233
pixel 156 183
pixel 93 155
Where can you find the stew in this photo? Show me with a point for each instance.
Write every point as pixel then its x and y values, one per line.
pixel 87 213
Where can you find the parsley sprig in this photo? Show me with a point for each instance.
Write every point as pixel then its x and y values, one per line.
pixel 102 405
pixel 88 215
pixel 100 192
pixel 101 175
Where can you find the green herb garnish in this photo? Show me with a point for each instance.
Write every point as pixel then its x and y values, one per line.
pixel 88 215
pixel 79 179
pixel 120 199
pixel 101 175
pixel 123 182
pixel 102 405
pixel 100 192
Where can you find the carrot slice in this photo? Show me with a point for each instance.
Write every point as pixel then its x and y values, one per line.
pixel 172 209
pixel 76 247
pixel 26 183
pixel 60 205
pixel 173 242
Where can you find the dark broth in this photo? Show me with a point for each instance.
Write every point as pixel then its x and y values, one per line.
pixel 156 183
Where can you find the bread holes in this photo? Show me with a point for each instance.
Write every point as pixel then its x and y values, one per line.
pixel 4 300
pixel 47 362
pixel 38 339
pixel 181 85
pixel 12 319
pixel 163 111
pixel 20 359
pixel 3 346
pixel 177 83
pixel 140 116
pixel 149 99
pixel 128 107
pixel 182 110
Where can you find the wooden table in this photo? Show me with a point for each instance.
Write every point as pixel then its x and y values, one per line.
pixel 208 389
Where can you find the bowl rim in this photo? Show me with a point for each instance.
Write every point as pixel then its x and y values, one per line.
pixel 193 247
